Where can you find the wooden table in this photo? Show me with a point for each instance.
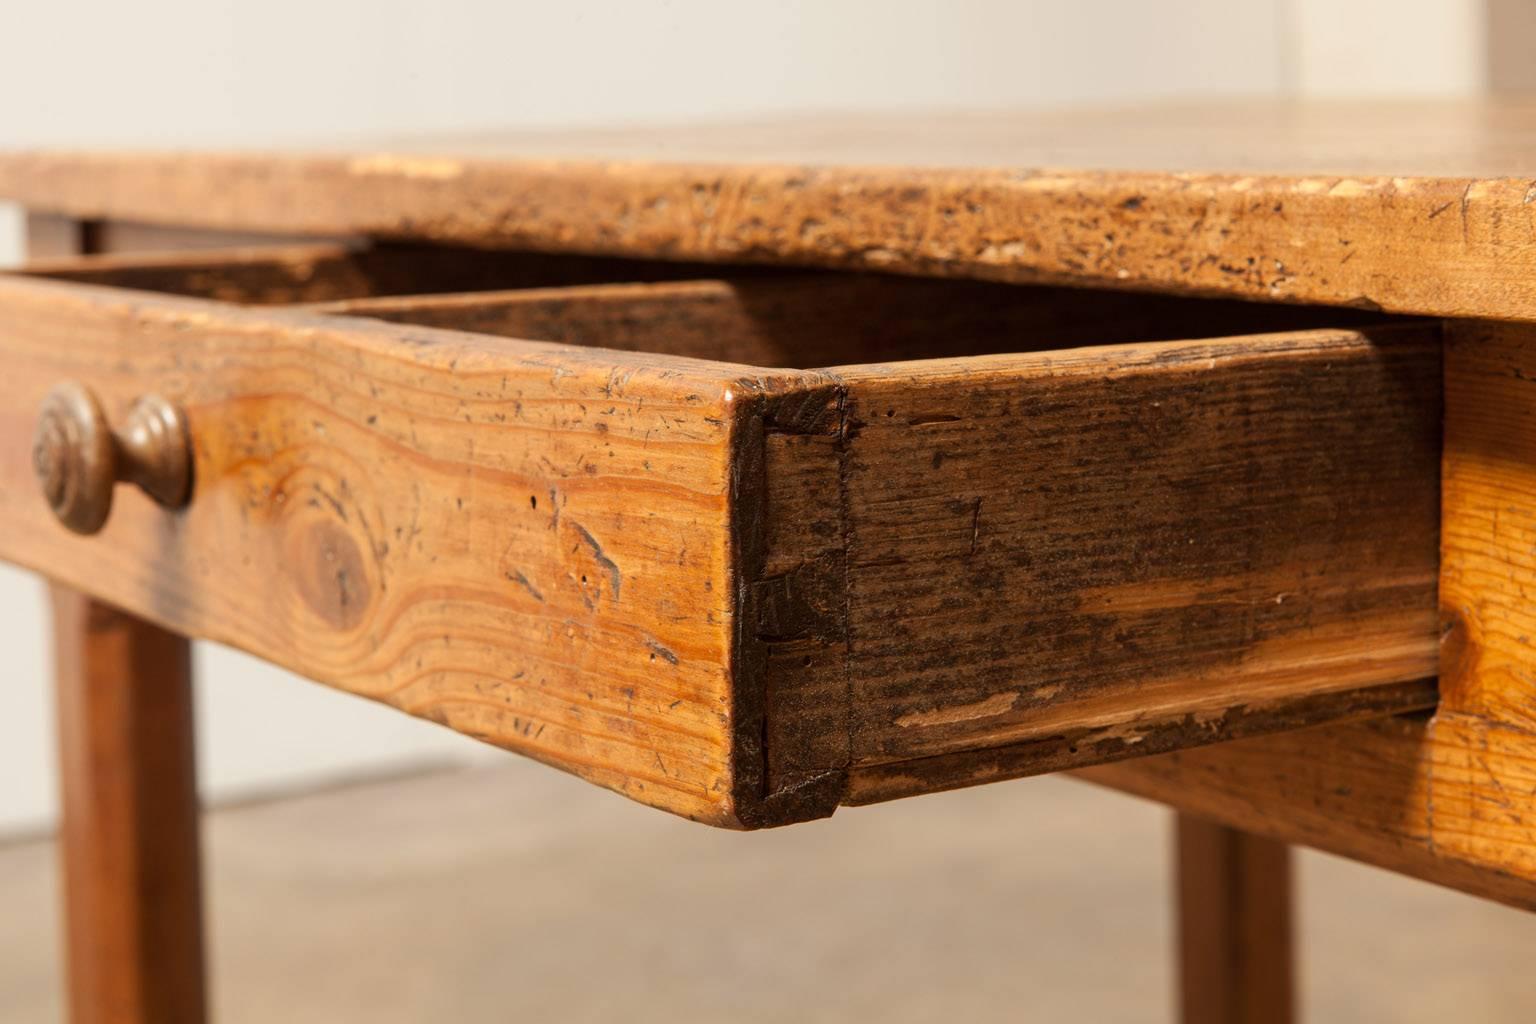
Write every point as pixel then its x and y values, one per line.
pixel 750 471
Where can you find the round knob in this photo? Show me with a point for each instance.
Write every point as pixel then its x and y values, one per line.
pixel 78 458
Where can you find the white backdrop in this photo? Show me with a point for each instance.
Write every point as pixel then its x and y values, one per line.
pixel 209 72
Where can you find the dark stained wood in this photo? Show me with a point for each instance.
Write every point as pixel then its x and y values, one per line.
pixel 1446 798
pixel 129 834
pixel 1101 552
pixel 1236 962
pixel 827 319
pixel 1416 207
pixel 295 273
pixel 329 272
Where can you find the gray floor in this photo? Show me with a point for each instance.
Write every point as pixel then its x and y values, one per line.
pixel 515 893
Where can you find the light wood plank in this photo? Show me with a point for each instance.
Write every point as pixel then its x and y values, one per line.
pixel 1419 207
pixel 529 543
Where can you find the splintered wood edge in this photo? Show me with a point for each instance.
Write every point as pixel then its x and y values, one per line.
pixel 1329 239
pixel 1088 747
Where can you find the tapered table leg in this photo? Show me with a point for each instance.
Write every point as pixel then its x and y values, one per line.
pixel 132 870
pixel 1234 922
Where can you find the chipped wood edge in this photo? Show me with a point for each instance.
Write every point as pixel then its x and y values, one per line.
pixel 1082 748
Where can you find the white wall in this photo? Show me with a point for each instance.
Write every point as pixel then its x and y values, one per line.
pixel 210 72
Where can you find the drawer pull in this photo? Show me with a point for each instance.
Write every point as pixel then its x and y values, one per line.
pixel 79 458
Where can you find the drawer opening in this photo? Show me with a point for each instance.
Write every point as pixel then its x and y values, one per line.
pixel 768 317
pixel 267 275
pixel 830 319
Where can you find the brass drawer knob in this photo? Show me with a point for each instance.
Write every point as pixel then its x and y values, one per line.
pixel 79 458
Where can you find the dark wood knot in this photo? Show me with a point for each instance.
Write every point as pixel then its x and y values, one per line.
pixel 79 458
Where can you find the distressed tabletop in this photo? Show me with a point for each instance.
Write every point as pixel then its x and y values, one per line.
pixel 1418 207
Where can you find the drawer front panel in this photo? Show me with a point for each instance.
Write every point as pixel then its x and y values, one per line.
pixel 525 542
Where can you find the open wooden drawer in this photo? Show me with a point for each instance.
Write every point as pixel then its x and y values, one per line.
pixel 747 551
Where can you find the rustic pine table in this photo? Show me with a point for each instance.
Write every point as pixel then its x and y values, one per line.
pixel 753 471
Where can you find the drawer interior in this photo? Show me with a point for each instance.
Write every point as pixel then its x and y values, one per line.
pixel 737 314
pixel 328 272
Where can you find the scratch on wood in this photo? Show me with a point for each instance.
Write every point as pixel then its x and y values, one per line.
pixel 997 704
pixel 614 576
pixel 661 651
pixel 517 576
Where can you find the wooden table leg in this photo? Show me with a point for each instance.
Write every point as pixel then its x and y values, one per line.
pixel 130 831
pixel 1234 920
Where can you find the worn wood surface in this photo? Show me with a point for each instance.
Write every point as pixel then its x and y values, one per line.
pixel 827 319
pixel 1082 617
pixel 1409 207
pixel 1236 956
pixel 1101 552
pixel 1447 798
pixel 129 830
pixel 851 584
pixel 1488 541
pixel 1437 797
pixel 529 543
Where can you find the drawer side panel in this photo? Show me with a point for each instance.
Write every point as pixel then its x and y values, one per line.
pixel 1073 557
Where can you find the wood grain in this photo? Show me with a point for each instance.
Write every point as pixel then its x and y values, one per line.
pixel 1096 552
pixel 747 596
pixel 1445 798
pixel 1235 935
pixel 829 319
pixel 529 543
pixel 1488 542
pixel 129 832
pixel 1419 208
pixel 1440 798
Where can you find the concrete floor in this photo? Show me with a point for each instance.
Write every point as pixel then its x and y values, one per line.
pixel 516 893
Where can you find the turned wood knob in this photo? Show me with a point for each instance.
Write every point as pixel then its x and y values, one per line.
pixel 79 458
